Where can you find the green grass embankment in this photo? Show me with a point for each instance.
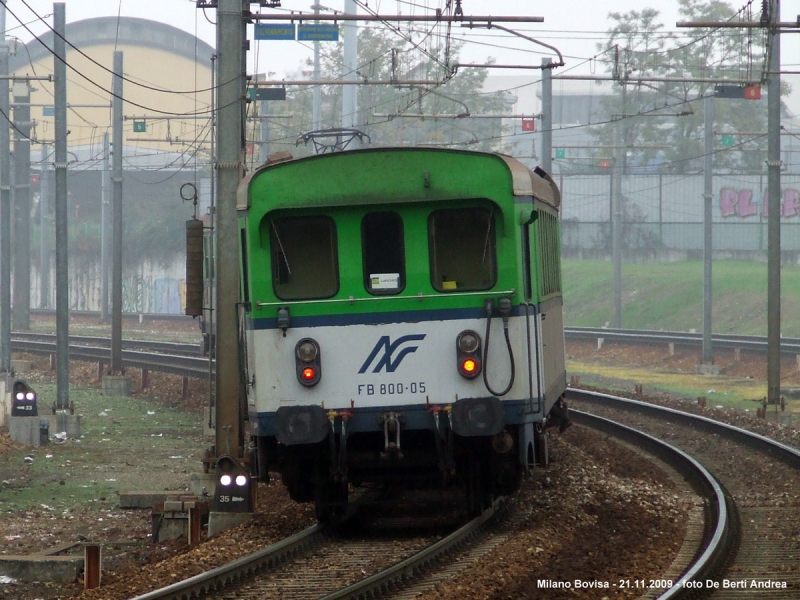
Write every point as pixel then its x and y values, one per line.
pixel 669 296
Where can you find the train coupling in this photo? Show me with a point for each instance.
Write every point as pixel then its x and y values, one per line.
pixel 391 436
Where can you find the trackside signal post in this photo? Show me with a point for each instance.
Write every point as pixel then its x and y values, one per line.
pixel 229 166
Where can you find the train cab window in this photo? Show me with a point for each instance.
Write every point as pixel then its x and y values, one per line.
pixel 304 258
pixel 462 249
pixel 383 253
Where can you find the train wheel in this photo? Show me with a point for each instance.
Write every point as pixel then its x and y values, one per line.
pixel 330 503
pixel 479 496
pixel 541 449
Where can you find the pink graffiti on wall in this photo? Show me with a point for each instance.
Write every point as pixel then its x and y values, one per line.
pixel 739 203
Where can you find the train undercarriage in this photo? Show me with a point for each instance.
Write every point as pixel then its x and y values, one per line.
pixel 484 467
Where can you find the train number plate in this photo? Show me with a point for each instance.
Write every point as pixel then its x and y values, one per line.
pixel 391 389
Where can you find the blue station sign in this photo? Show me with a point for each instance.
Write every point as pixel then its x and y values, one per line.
pixel 318 33
pixel 274 31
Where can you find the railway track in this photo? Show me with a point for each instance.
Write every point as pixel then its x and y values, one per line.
pixel 762 479
pixel 770 533
pixel 167 357
pixel 186 359
pixel 321 564
pixel 749 343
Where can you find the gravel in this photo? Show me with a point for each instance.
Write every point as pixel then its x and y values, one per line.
pixel 600 512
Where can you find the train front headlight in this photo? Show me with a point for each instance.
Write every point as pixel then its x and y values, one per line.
pixel 468 341
pixel 307 362
pixel 307 351
pixel 468 354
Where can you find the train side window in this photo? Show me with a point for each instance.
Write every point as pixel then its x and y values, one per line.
pixel 305 263
pixel 462 249
pixel 383 253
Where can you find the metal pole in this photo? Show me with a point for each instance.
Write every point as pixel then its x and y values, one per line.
pixel 229 165
pixel 317 110
pixel 116 221
pixel 616 246
pixel 774 214
pixel 547 116
pixel 350 43
pixel 708 108
pixel 45 191
pixel 22 207
pixel 5 204
pixel 105 230
pixel 62 239
pixel 209 306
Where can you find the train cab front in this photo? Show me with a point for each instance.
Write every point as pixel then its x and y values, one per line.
pixel 387 339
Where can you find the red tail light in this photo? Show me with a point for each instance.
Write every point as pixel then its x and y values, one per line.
pixel 307 362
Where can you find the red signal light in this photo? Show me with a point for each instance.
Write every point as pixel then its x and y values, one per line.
pixel 308 374
pixel 469 365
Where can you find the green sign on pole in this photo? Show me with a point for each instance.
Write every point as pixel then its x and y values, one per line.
pixel 140 127
pixel 727 141
pixel 561 153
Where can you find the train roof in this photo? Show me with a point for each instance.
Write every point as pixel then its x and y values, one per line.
pixel 524 181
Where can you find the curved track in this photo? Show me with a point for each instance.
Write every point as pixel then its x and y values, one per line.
pixel 762 478
pixel 325 567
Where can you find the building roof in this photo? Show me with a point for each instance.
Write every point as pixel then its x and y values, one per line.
pixel 130 31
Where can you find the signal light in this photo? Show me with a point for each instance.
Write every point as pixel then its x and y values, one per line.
pixel 23 400
pixel 468 354
pixel 307 362
pixel 232 492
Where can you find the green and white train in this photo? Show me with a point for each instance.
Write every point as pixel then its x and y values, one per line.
pixel 403 321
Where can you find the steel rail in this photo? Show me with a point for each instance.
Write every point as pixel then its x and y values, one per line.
pixel 751 343
pixel 758 442
pixel 762 444
pixel 187 366
pixel 126 315
pixel 720 535
pixel 185 359
pixel 89 340
pixel 220 577
pixel 397 575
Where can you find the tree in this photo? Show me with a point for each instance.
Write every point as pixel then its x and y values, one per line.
pixel 638 46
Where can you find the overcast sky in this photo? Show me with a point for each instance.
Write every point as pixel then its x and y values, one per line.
pixel 573 26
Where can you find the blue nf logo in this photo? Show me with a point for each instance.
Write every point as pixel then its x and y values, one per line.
pixel 389 348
